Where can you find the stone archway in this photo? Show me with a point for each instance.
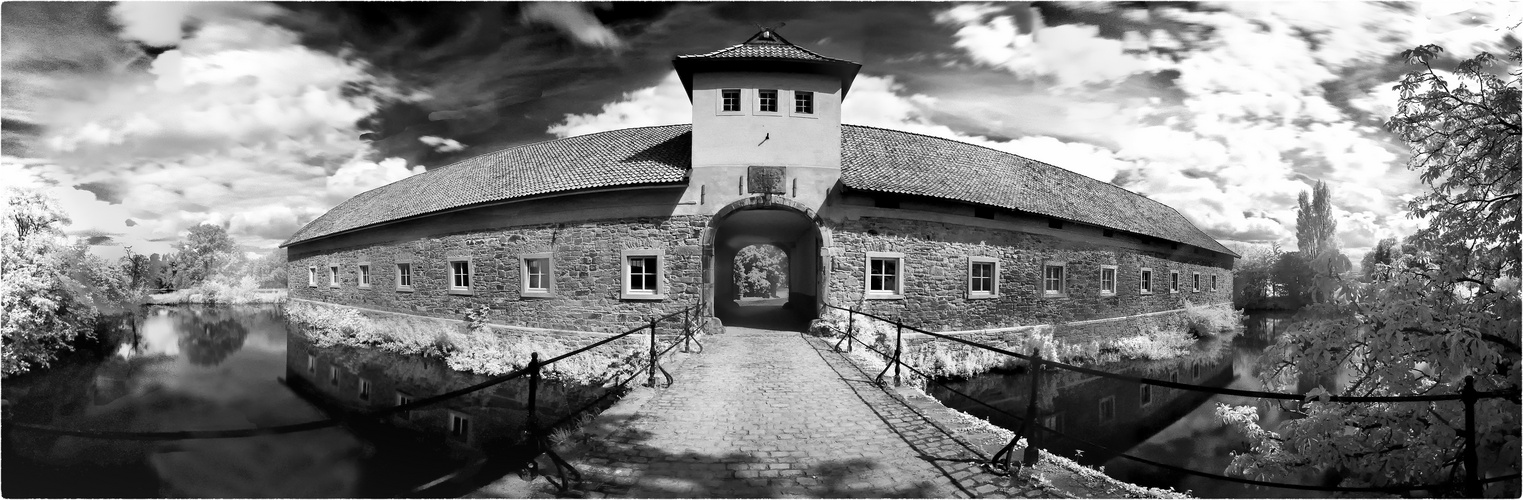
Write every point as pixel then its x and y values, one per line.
pixel 772 221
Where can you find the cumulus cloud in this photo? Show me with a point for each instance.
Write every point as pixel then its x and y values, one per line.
pixel 362 175
pixel 1072 54
pixel 573 19
pixel 441 144
pixel 664 104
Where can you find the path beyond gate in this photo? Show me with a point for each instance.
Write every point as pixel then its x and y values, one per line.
pixel 767 413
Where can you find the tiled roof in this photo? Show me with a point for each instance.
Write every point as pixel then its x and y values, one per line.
pixel 872 159
pixel 764 45
pixel 648 155
pixel 875 159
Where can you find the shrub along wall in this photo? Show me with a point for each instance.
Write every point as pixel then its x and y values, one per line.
pixel 935 275
pixel 587 268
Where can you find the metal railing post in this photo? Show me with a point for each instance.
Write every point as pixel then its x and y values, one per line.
pixel 651 381
pixel 1032 428
pixel 1473 488
pixel 534 394
pixel 898 333
pixel 851 326
pixel 687 330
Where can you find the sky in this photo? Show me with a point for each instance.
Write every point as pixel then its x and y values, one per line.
pixel 143 118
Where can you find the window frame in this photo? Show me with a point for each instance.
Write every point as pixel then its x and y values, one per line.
pixel 1062 290
pixel 1213 282
pixel 1196 287
pixel 625 292
pixel 398 274
pixel 311 364
pixel 809 95
pixel 1145 283
pixel 740 102
pixel 1173 281
pixel 333 379
pixel 1115 283
pixel 777 97
pixel 364 389
pixel 403 398
pixel 312 276
pixel 470 275
pixel 469 430
pixel 549 277
pixel 333 281
pixel 867 276
pixel 993 291
pixel 1100 409
pixel 362 272
pixel 1144 395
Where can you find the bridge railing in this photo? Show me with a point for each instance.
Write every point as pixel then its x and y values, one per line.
pixel 689 321
pixel 1033 431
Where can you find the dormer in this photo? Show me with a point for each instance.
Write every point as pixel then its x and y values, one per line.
pixel 766 102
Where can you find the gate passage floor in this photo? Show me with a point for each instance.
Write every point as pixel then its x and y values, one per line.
pixel 767 413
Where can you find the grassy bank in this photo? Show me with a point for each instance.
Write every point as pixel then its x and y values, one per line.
pixel 466 346
pixel 243 291
pixel 1204 329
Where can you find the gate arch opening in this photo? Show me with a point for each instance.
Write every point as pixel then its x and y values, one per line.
pixel 791 230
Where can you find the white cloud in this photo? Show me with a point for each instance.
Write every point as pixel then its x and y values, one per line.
pixel 573 19
pixel 664 104
pixel 1073 54
pixel 441 144
pixel 363 175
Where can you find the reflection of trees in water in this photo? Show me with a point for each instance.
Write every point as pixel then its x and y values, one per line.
pixel 209 336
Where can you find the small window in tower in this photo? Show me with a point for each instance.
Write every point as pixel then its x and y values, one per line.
pixel 803 102
pixel 766 100
pixel 729 100
pixel 1055 223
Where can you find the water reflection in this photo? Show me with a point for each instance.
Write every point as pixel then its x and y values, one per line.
pixel 1172 426
pixel 235 367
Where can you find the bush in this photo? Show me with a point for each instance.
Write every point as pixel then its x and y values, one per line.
pixel 1206 320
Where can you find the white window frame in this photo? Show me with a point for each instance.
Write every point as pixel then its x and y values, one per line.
pixel 403 398
pixel 993 291
pixel 1173 281
pixel 311 364
pixel 1115 272
pixel 410 274
pixel 549 277
pixel 333 281
pixel 1144 395
pixel 1062 290
pixel 363 270
pixel 1145 281
pixel 1195 287
pixel 777 108
pixel 1213 282
pixel 312 276
pixel 625 292
pixel 469 429
pixel 470 276
pixel 333 379
pixel 740 102
pixel 1100 409
pixel 794 110
pixel 364 389
pixel 899 275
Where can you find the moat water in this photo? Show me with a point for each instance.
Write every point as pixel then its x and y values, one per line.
pixel 236 367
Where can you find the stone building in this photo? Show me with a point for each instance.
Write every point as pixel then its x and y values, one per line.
pixel 601 231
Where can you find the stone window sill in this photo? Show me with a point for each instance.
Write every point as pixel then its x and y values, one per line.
pixel 981 296
pixel 456 291
pixel 531 294
pixel 641 296
pixel 407 289
pixel 883 296
pixel 367 287
pixel 1107 294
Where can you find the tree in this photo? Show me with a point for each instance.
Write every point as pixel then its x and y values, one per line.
pixel 52 291
pixel 1315 226
pixel 206 251
pixel 1449 308
pixel 1294 277
pixel 1385 251
pixel 760 270
pixel 1254 277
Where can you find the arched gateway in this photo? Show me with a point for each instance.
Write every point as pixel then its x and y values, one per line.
pixel 601 231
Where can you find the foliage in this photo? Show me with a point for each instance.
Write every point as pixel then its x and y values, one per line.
pixel 1384 253
pixel 1212 319
pixel 1315 226
pixel 760 271
pixel 52 289
pixel 269 270
pixel 1255 277
pixel 1293 277
pixel 1446 309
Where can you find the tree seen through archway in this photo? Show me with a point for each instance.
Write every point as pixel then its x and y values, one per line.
pixel 761 271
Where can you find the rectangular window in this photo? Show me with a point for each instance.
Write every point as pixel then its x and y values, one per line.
pixel 1195 371
pixel 803 102
pixel 312 276
pixel 402 399
pixel 1196 288
pixel 1173 281
pixel 983 277
pixel 885 275
pixel 333 376
pixel 460 276
pixel 729 100
pixel 642 274
pixel 536 275
pixel 766 101
pixel 1145 394
pixel 365 275
pixel 333 276
pixel 1107 280
pixel 459 427
pixel 404 275
pixel 1053 283
pixel 1145 278
pixel 1213 282
pixel 311 364
pixel 364 390
pixel 1107 409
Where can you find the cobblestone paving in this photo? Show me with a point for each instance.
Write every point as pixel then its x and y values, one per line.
pixel 776 414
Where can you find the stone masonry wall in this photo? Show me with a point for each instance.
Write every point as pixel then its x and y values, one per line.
pixel 935 276
pixel 586 265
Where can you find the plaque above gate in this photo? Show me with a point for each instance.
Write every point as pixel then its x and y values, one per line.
pixel 766 180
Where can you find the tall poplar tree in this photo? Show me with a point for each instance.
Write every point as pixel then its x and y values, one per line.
pixel 1315 225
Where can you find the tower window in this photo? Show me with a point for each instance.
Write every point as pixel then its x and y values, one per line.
pixel 766 100
pixel 729 100
pixel 803 102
